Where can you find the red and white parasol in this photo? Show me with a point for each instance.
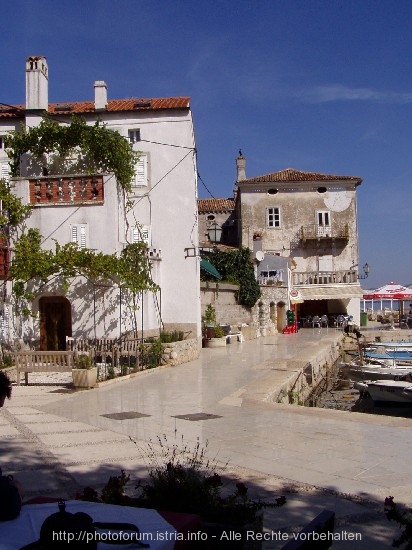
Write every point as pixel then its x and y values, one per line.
pixel 391 291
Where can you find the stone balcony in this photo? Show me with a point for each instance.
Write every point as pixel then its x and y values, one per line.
pixel 323 277
pixel 64 190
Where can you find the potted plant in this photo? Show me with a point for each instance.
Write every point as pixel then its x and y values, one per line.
pixel 84 372
pixel 182 479
pixel 209 321
pixel 219 338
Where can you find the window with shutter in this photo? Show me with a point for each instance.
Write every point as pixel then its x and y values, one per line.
pixel 140 233
pixel 134 135
pixel 4 170
pixel 4 322
pixel 140 179
pixel 78 234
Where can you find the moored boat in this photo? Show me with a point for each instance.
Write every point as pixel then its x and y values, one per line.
pixel 389 392
pixel 375 370
pixel 394 344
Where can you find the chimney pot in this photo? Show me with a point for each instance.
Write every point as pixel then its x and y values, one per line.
pixel 100 95
pixel 241 167
pixel 37 83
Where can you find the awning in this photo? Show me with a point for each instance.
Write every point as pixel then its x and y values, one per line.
pixel 207 266
pixel 317 292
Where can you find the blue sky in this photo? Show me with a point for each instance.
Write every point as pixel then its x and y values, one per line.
pixel 316 85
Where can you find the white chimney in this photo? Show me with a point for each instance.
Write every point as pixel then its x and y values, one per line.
pixel 241 167
pixel 37 83
pixel 100 95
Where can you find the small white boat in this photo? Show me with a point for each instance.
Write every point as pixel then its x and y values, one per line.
pixel 388 353
pixel 394 344
pixel 389 392
pixel 375 370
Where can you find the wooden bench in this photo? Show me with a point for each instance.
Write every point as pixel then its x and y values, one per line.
pixel 42 361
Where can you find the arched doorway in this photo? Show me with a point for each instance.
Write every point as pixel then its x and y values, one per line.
pixel 55 322
pixel 280 316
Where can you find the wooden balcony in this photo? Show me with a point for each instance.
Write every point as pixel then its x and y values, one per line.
pixel 64 190
pixel 323 277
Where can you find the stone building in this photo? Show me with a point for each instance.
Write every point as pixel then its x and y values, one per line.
pixel 309 220
pixel 302 230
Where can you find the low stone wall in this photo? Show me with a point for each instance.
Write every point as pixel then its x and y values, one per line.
pixel 307 374
pixel 260 320
pixel 222 296
pixel 176 353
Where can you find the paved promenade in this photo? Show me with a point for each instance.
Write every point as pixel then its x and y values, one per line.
pixel 56 440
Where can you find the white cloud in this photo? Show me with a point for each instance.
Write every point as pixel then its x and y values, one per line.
pixel 338 92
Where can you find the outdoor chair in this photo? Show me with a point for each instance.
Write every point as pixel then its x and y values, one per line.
pixel 316 321
pixel 340 321
pixel 307 321
pixel 324 321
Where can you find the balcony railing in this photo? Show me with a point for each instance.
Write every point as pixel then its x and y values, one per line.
pixel 324 231
pixel 323 277
pixel 66 189
pixel 310 234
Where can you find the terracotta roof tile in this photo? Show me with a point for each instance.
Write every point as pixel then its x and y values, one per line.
pixel 114 105
pixel 211 205
pixel 290 175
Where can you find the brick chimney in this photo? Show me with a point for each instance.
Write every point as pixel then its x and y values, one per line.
pixel 241 167
pixel 37 83
pixel 100 95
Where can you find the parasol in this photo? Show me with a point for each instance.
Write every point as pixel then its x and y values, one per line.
pixel 391 291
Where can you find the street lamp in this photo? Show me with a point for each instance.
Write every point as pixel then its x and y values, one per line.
pixel 366 270
pixel 214 233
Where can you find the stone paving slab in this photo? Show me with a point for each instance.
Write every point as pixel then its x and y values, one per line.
pixel 322 459
pixel 62 426
pixel 6 431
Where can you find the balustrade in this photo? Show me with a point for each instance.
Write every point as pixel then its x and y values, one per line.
pixel 323 277
pixel 66 189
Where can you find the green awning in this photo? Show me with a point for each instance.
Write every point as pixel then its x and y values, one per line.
pixel 207 266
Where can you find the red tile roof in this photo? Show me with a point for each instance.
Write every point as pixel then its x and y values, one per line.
pixel 290 175
pixel 211 205
pixel 114 105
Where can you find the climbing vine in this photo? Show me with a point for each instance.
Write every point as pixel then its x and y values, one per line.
pixel 236 267
pixel 32 266
pixel 78 146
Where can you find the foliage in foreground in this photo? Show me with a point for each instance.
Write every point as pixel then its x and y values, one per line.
pixel 183 479
pixel 404 519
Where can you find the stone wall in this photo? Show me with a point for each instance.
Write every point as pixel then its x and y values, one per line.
pixel 222 296
pixel 176 353
pixel 260 320
pixel 307 374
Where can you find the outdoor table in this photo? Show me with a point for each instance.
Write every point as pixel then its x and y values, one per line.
pixel 159 529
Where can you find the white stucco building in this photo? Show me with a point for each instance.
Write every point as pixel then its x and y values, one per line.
pixel 91 210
